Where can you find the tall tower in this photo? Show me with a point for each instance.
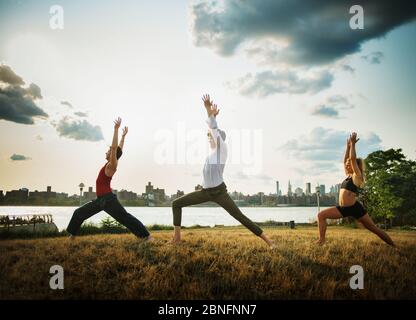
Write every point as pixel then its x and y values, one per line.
pixel 322 189
pixel 289 189
pixel 277 188
pixel 308 189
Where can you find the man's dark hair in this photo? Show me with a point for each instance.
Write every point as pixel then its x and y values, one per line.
pixel 119 152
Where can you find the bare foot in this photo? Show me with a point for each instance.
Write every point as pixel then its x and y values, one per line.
pixel 320 242
pixel 397 249
pixel 175 241
pixel 272 246
pixel 150 239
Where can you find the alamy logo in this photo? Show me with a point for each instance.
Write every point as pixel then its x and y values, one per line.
pixel 57 19
pixel 57 280
pixel 357 20
pixel 189 146
pixel 357 280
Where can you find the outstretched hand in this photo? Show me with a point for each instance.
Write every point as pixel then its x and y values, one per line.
pixel 353 138
pixel 207 101
pixel 117 123
pixel 212 109
pixel 125 131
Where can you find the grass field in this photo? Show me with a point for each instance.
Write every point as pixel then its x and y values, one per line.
pixel 222 263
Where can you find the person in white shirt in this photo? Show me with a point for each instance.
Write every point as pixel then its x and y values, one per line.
pixel 213 186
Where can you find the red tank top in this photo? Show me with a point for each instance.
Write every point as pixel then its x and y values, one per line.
pixel 102 184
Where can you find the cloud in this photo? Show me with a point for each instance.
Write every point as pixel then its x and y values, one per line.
pixel 271 82
pixel 374 57
pixel 34 91
pixel 328 145
pixel 347 67
pixel 240 175
pixel 8 76
pixel 331 107
pixel 78 130
pixel 19 157
pixel 81 114
pixel 66 103
pixel 317 168
pixel 301 32
pixel 18 103
pixel 325 111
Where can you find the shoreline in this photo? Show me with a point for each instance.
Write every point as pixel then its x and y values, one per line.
pixel 163 206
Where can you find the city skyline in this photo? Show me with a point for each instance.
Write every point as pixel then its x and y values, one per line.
pixel 287 104
pixel 149 188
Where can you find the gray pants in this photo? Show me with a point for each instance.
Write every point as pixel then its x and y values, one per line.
pixel 218 195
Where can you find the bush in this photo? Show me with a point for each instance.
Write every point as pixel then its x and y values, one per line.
pixel 156 227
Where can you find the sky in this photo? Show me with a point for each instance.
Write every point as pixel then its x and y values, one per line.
pixel 291 79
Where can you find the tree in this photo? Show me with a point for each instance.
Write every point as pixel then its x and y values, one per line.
pixel 390 190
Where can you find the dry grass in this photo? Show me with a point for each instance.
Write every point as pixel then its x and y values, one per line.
pixel 211 264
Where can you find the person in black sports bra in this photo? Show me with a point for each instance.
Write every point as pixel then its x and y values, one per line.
pixel 349 206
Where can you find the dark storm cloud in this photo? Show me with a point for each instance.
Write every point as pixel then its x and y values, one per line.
pixel 19 157
pixel 312 31
pixel 18 103
pixel 78 130
pixel 266 83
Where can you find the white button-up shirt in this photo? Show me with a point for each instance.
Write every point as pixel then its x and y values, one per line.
pixel 215 161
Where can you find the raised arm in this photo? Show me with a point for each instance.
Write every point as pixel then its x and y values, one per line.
pixel 212 112
pixel 112 164
pixel 123 136
pixel 346 155
pixel 353 156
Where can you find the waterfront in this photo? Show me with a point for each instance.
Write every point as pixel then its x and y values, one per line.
pixel 205 216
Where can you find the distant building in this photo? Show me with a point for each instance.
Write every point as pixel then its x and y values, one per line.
pixel 20 195
pixel 333 190
pixel 308 189
pixel 261 197
pixel 149 188
pixel 127 195
pixel 178 194
pixel 90 194
pixel 299 192
pixel 289 189
pixel 322 189
pixel 156 194
pixel 337 188
pixel 277 188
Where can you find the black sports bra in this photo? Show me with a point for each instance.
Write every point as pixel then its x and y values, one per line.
pixel 349 185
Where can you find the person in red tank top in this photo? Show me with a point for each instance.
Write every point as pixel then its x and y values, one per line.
pixel 102 184
pixel 106 199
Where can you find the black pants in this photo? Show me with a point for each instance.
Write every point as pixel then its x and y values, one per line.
pixel 217 194
pixel 110 204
